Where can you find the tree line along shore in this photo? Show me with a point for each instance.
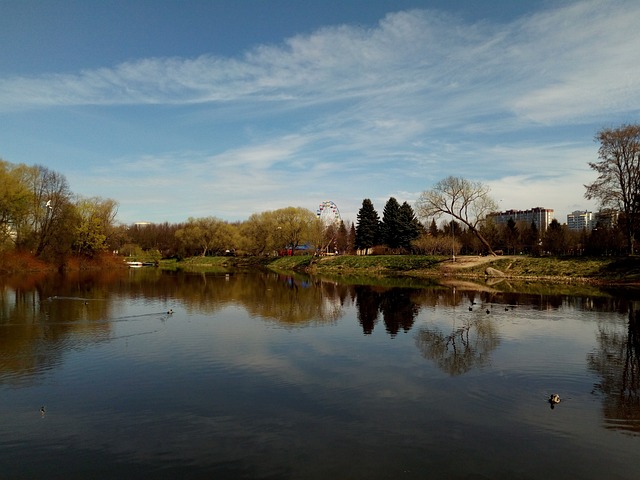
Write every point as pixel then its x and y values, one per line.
pixel 618 270
pixel 43 225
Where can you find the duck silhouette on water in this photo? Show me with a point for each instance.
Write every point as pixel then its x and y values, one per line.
pixel 554 399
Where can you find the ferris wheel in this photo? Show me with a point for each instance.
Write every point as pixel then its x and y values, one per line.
pixel 328 212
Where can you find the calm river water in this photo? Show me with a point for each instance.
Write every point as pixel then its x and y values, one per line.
pixel 266 376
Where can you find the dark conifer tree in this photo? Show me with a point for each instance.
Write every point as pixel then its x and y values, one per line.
pixel 342 238
pixel 391 226
pixel 433 228
pixel 410 227
pixel 368 229
pixel 511 236
pixel 352 238
pixel 554 239
pixel 531 239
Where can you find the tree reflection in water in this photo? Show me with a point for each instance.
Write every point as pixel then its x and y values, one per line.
pixel 42 315
pixel 618 363
pixel 465 348
pixel 398 308
pixel 368 306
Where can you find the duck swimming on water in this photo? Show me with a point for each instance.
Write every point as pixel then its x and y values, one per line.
pixel 554 399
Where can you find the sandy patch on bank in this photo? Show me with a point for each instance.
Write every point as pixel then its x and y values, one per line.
pixel 469 261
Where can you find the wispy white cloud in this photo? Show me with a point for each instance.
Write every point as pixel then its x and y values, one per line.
pixel 420 96
pixel 587 62
pixel 558 65
pixel 260 156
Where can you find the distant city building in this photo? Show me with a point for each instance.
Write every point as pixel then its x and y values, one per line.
pixel 606 218
pixel 581 220
pixel 542 217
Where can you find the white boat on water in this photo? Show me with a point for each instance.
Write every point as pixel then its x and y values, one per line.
pixel 141 264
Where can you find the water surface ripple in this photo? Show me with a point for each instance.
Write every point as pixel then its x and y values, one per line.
pixel 270 376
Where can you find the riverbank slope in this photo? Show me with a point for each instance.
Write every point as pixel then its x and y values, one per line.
pixel 594 270
pixel 600 270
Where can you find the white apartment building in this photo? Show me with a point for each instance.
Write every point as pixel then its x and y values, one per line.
pixel 606 218
pixel 581 219
pixel 542 217
pixel 589 220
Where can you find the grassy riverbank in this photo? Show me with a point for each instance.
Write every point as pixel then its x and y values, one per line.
pixel 362 269
pixel 216 264
pixel 598 270
pixel 350 264
pixel 604 270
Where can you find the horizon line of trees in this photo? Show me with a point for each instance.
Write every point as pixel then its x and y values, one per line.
pixel 283 231
pixel 39 214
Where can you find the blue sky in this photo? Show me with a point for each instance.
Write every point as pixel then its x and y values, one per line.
pixel 180 109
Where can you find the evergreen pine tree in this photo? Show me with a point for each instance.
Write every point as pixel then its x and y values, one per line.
pixel 554 239
pixel 342 238
pixel 531 239
pixel 368 229
pixel 391 227
pixel 410 227
pixel 433 228
pixel 352 238
pixel 511 235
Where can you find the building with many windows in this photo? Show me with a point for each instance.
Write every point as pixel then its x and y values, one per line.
pixel 606 218
pixel 542 217
pixel 581 219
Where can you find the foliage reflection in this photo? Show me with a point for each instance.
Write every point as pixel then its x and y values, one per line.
pixel 41 316
pixel 617 361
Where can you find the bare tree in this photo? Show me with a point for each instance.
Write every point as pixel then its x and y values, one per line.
pixel 466 201
pixel 50 197
pixel 618 182
pixel 466 347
